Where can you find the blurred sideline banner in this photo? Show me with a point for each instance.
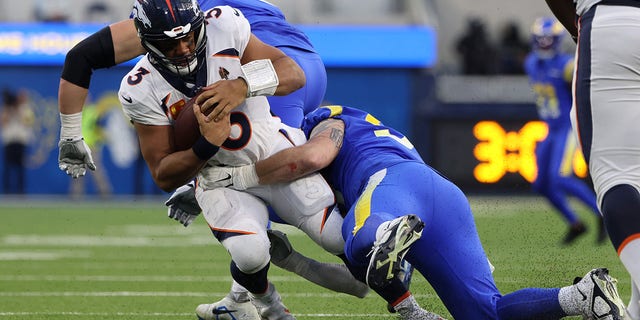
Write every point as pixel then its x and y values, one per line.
pixel 45 44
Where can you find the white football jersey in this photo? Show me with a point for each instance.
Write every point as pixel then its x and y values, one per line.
pixel 148 98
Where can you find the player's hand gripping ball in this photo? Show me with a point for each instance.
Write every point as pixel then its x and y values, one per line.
pixel 186 130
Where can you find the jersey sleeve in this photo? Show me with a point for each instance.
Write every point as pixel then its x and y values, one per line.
pixel 313 118
pixel 137 97
pixel 225 19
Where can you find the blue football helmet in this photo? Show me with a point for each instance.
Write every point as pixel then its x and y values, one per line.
pixel 546 37
pixel 161 22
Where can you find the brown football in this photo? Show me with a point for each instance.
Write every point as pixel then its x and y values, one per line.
pixel 186 130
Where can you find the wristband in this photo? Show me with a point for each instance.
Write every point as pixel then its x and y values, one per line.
pixel 204 149
pixel 261 78
pixel 70 126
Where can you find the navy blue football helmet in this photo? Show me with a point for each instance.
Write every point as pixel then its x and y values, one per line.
pixel 546 37
pixel 161 22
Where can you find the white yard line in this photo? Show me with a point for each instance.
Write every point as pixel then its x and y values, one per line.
pixel 106 241
pixel 171 294
pixel 15 255
pixel 108 278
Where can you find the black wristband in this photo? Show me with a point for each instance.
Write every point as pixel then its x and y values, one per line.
pixel 204 149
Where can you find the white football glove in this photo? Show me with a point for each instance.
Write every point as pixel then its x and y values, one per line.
pixel 183 206
pixel 75 157
pixel 237 178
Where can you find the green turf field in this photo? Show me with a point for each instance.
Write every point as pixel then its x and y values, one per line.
pixel 125 259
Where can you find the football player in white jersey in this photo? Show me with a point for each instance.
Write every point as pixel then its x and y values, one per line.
pixel 605 113
pixel 189 50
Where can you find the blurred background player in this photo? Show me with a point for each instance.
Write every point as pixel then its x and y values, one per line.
pixel 16 130
pixel 550 73
pixel 605 116
pixel 430 224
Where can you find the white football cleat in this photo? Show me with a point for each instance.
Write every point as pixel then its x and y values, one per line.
pixel 227 309
pixel 600 292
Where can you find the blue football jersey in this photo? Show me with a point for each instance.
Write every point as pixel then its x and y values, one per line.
pixel 551 83
pixel 368 147
pixel 267 22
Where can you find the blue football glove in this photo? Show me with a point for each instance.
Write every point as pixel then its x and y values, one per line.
pixel 183 206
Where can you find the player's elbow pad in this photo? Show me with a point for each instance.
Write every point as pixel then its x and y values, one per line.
pixel 94 52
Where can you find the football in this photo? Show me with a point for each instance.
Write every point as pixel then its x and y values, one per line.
pixel 186 130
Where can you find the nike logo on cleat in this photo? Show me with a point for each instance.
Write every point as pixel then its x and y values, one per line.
pixel 222 311
pixel 127 99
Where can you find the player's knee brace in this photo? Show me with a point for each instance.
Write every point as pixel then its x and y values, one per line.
pixel 621 211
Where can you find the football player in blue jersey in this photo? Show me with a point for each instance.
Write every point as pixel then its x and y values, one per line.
pixel 400 208
pixel 550 73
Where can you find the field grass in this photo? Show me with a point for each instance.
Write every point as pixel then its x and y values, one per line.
pixel 124 259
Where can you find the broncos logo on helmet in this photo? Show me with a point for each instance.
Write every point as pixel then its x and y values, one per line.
pixel 138 11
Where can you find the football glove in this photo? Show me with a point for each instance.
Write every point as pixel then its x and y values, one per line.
pixel 183 206
pixel 75 157
pixel 237 178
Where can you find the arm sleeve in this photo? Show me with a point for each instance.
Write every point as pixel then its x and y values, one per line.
pixel 94 52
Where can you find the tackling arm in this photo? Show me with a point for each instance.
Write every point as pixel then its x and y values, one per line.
pixel 317 153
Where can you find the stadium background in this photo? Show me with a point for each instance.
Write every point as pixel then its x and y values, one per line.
pixel 395 59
